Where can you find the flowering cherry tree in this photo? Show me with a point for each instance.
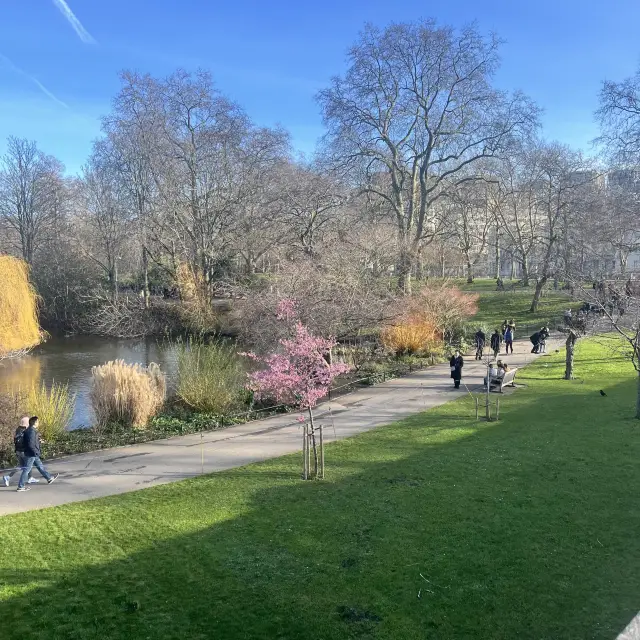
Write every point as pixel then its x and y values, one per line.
pixel 299 373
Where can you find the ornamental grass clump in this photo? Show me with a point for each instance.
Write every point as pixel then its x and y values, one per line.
pixel 127 394
pixel 54 407
pixel 211 376
pixel 19 328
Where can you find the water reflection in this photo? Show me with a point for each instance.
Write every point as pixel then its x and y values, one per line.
pixel 69 361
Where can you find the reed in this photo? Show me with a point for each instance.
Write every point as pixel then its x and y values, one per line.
pixel 127 394
pixel 211 376
pixel 54 407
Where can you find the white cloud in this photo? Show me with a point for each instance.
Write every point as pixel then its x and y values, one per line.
pixel 65 10
pixel 16 69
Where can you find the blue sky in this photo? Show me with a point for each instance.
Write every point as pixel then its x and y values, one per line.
pixel 272 57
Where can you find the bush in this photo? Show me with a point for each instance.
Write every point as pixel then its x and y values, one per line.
pixel 211 377
pixel 10 413
pixel 414 335
pixel 54 408
pixel 127 394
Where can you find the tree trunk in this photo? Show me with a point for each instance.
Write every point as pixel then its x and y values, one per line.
pixel 537 294
pixel 513 269
pixel 469 272
pixel 145 275
pixel 497 254
pixel 404 272
pixel 313 440
pixel 525 273
pixel 570 344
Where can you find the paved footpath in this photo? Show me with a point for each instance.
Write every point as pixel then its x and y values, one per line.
pixel 113 471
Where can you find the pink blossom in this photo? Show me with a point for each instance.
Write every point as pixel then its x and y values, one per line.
pixel 298 374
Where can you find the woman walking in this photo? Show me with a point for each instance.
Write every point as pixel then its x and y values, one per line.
pixel 508 337
pixel 456 363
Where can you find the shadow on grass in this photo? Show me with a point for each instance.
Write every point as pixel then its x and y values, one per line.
pixel 526 528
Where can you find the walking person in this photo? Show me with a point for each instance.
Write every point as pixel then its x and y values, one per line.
pixel 481 340
pixel 508 338
pixel 496 341
pixel 456 363
pixel 31 439
pixel 18 445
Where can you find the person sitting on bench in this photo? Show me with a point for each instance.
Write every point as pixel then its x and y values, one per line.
pixel 493 373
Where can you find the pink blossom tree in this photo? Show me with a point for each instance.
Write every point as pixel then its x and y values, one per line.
pixel 298 374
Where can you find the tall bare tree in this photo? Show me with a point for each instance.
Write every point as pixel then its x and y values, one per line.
pixel 30 190
pixel 413 114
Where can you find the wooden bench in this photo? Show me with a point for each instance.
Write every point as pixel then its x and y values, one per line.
pixel 508 380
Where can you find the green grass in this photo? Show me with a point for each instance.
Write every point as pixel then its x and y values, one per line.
pixel 525 528
pixel 496 306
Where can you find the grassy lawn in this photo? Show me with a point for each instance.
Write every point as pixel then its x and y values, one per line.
pixel 496 306
pixel 434 527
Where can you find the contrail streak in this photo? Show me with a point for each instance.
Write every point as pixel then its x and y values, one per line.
pixel 65 10
pixel 12 67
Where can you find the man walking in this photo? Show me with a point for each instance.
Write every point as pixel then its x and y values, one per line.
pixel 496 340
pixel 480 342
pixel 18 444
pixel 32 455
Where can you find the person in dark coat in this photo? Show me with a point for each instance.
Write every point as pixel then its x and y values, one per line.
pixel 535 341
pixel 481 340
pixel 32 454
pixel 496 341
pixel 18 445
pixel 456 363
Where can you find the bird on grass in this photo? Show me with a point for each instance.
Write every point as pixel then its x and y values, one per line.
pixel 602 393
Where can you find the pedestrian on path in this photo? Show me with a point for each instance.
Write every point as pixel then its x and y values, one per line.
pixel 509 337
pixel 31 440
pixel 481 340
pixel 496 341
pixel 18 445
pixel 456 363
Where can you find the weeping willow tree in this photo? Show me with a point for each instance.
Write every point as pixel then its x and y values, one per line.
pixel 19 328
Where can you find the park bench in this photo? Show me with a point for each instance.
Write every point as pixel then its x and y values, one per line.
pixel 508 380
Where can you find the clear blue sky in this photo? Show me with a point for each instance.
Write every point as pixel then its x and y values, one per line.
pixel 272 57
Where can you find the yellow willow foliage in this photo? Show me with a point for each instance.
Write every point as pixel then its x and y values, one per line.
pixel 413 335
pixel 128 394
pixel 19 327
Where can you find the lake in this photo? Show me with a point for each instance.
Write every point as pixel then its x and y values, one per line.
pixel 69 361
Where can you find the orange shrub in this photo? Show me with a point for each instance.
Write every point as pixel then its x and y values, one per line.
pixel 414 334
pixel 447 307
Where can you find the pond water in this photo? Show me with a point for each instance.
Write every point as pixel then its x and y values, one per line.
pixel 69 361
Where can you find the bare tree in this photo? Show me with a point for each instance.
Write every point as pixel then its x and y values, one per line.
pixel 619 117
pixel 471 218
pixel 413 114
pixel 30 185
pixel 105 223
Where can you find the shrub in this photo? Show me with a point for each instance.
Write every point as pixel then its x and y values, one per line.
pixel 211 377
pixel 19 327
pixel 416 334
pixel 10 413
pixel 54 407
pixel 127 394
